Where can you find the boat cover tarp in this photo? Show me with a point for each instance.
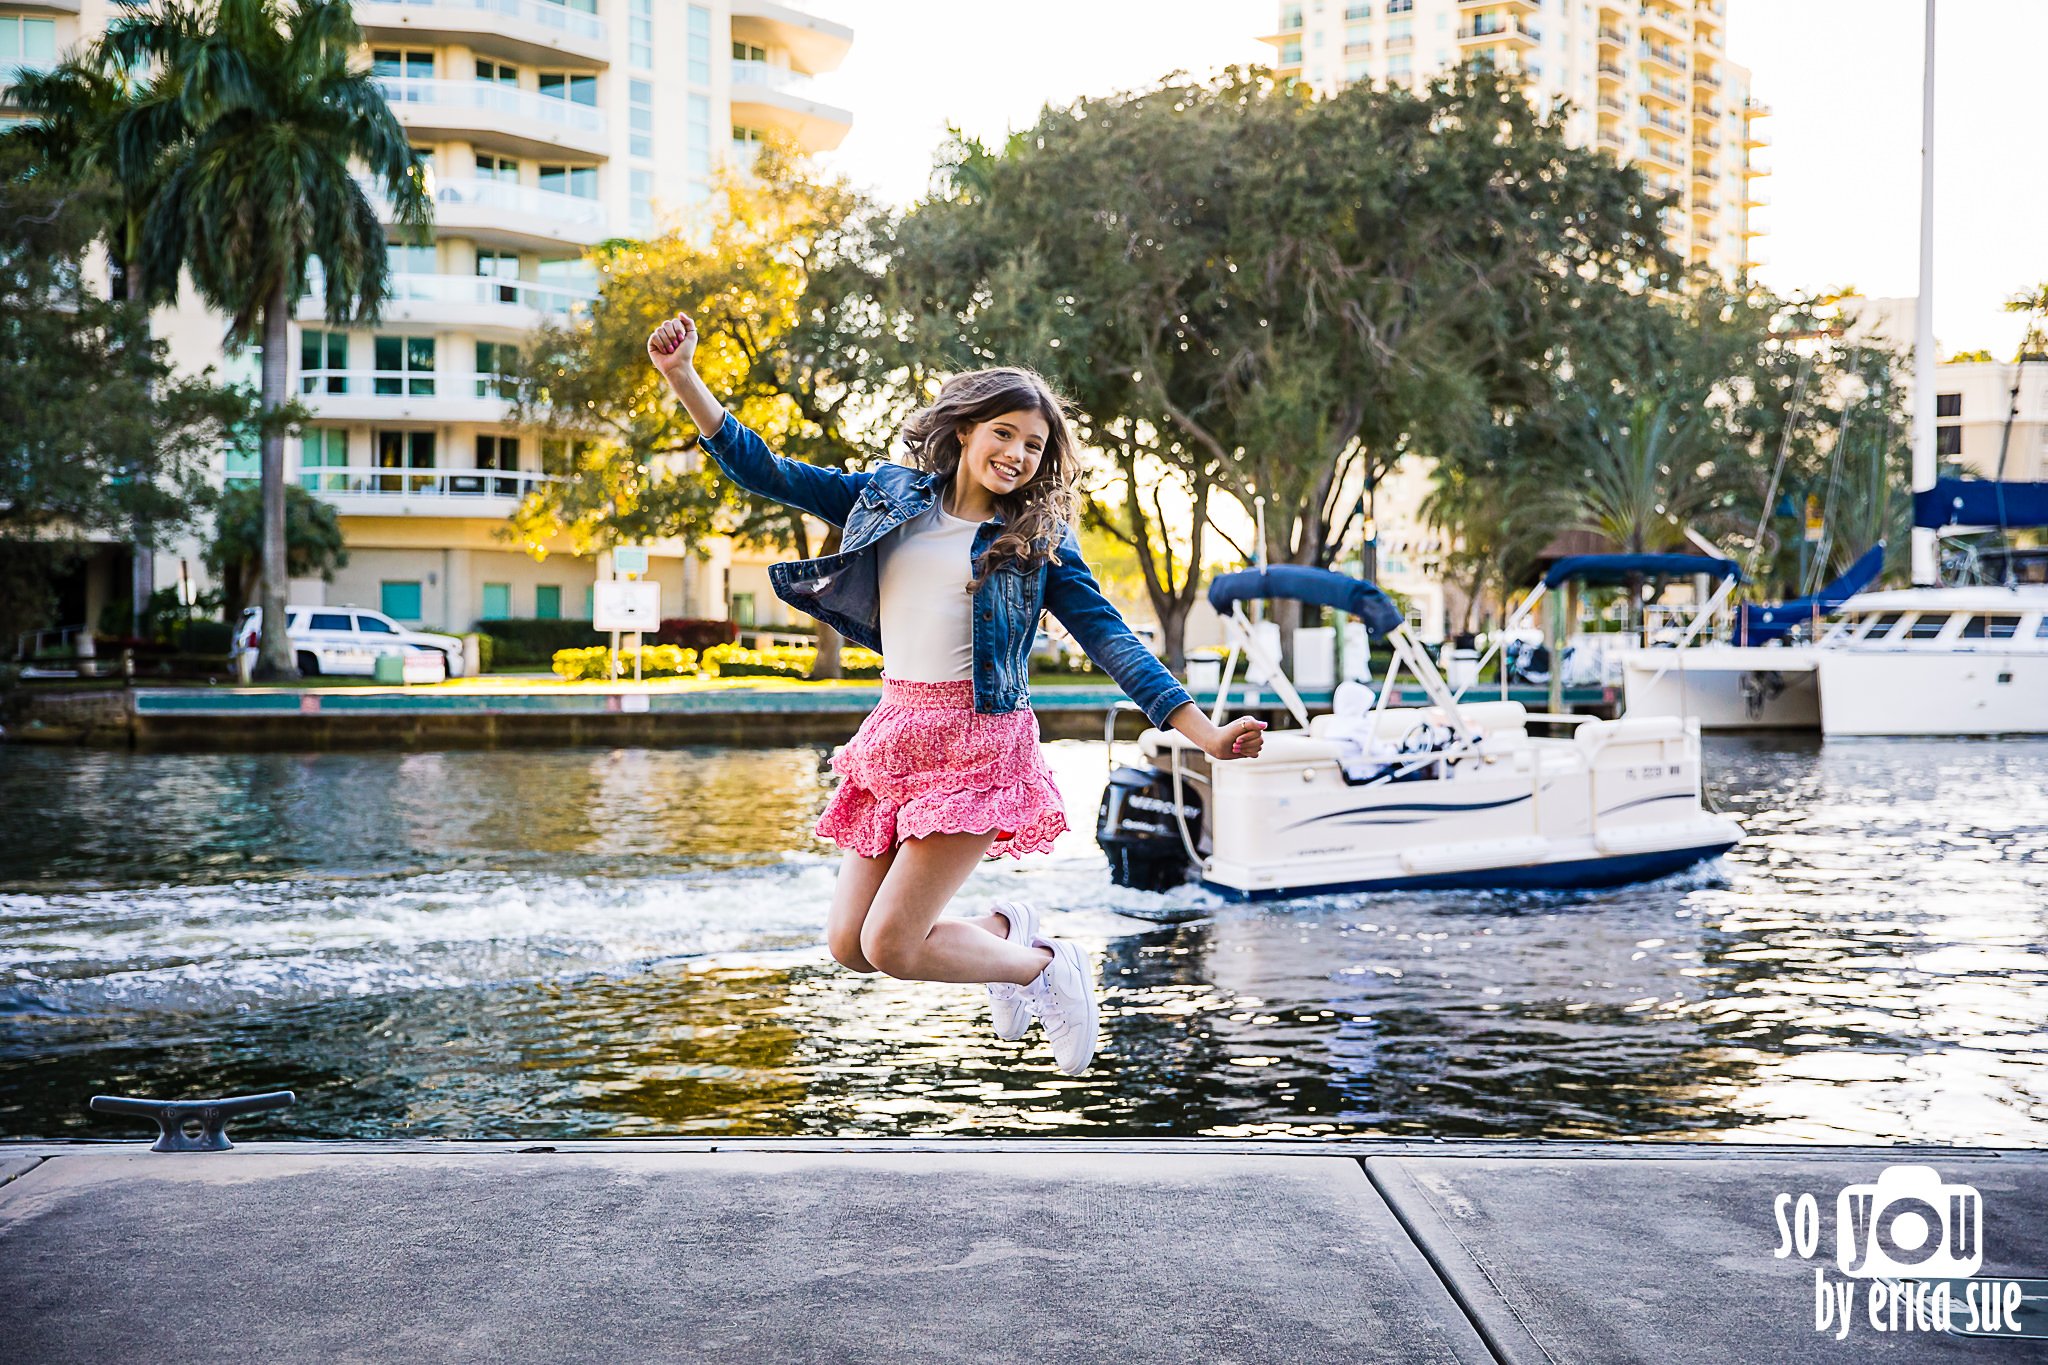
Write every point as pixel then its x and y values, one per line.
pixel 1761 623
pixel 1611 570
pixel 1977 502
pixel 1300 583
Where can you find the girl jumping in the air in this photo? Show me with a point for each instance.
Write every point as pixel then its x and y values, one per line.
pixel 950 560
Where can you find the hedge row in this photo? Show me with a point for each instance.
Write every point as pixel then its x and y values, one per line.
pixel 726 660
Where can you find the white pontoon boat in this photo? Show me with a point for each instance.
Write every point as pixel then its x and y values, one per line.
pixel 1447 795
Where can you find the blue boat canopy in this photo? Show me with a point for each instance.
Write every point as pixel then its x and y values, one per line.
pixel 1610 570
pixel 1300 583
pixel 1759 624
pixel 1981 502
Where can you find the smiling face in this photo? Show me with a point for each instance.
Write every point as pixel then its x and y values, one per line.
pixel 1003 453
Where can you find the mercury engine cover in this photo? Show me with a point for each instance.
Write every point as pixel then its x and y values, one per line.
pixel 1136 829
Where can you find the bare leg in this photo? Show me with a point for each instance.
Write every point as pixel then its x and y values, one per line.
pixel 859 878
pixel 904 936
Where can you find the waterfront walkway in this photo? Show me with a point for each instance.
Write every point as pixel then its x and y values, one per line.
pixel 497 711
pixel 901 1252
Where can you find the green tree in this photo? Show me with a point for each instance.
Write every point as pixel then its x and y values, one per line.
pixel 1281 296
pixel 795 343
pixel 313 541
pixel 101 435
pixel 256 110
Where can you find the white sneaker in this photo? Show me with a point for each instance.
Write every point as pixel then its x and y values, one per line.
pixel 1063 996
pixel 1009 1006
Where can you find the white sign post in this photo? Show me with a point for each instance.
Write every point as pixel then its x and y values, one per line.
pixel 627 604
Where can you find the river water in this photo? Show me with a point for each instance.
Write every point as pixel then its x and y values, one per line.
pixel 585 943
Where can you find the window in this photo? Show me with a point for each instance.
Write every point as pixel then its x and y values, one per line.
pixel 743 608
pixel 401 600
pixel 1948 440
pixel 1358 70
pixel 321 449
pixel 497 73
pixel 501 453
pixel 29 43
pixel 1400 28
pixel 1948 405
pixel 374 625
pixel 1400 65
pixel 589 601
pixel 389 64
pixel 406 258
pixel 580 181
pixel 1400 6
pixel 547 602
pixel 326 620
pixel 502 266
pixel 1927 625
pixel 405 365
pixel 403 450
pixel 563 85
pixel 640 117
pixel 700 136
pixel 700 45
pixel 1358 35
pixel 1357 12
pixel 568 272
pixel 497 601
pixel 499 168
pixel 1884 624
pixel 748 52
pixel 323 362
pixel 1290 53
pixel 640 34
pixel 496 364
pixel 640 202
pixel 1997 627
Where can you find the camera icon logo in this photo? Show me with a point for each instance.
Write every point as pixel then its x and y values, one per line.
pixel 1909 1225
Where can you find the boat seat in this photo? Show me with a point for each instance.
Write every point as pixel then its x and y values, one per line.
pixel 1596 735
pixel 1499 719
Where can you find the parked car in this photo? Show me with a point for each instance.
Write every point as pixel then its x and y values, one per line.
pixel 345 639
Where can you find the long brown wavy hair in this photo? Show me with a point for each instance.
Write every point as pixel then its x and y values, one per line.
pixel 1037 513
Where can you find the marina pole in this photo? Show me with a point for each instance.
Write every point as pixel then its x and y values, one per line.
pixel 1924 550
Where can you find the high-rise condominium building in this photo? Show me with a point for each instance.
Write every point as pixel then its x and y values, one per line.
pixel 1648 81
pixel 548 126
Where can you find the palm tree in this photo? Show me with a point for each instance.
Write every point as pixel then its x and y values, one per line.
pixel 256 108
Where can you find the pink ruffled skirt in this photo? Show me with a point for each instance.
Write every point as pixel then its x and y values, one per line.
pixel 926 762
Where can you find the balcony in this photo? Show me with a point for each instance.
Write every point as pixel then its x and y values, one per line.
pixel 1675 127
pixel 1708 110
pixel 1656 19
pixel 502 116
pixel 766 96
pixel 1658 154
pixel 1706 206
pixel 471 301
pixel 1611 142
pixel 1612 104
pixel 1613 38
pixel 1289 28
pixel 498 213
pixel 1523 6
pixel 365 491
pixel 1706 78
pixel 1664 92
pixel 1702 140
pixel 1513 32
pixel 1612 71
pixel 1657 54
pixel 404 396
pixel 1754 199
pixel 813 44
pixel 524 30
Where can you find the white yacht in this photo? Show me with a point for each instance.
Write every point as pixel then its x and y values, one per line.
pixel 1937 661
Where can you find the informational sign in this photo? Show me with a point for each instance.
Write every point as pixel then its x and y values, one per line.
pixel 629 559
pixel 626 606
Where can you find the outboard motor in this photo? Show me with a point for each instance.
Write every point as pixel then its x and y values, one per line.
pixel 1137 829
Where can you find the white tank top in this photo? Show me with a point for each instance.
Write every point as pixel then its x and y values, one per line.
pixel 927 614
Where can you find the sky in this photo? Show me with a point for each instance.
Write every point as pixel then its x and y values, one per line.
pixel 1843 78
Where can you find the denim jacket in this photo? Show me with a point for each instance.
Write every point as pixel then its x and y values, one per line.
pixel 844 590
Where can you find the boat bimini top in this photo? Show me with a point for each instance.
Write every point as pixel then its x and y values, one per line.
pixel 1322 588
pixel 1760 623
pixel 1608 571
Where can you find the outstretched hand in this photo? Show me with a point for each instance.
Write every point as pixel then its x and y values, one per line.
pixel 673 345
pixel 1242 738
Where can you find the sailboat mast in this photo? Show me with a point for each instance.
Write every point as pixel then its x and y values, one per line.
pixel 1924 545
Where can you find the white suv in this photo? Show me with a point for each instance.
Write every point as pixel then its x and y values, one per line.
pixel 346 639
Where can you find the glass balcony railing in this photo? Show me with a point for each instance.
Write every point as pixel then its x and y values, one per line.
pixel 491 100
pixel 774 77
pixel 359 481
pixel 404 384
pixel 540 13
pixel 549 299
pixel 570 209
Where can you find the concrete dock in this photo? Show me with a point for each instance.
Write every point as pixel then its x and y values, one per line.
pixel 949 1251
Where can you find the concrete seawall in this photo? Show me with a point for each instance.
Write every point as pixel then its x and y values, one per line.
pixel 951 1251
